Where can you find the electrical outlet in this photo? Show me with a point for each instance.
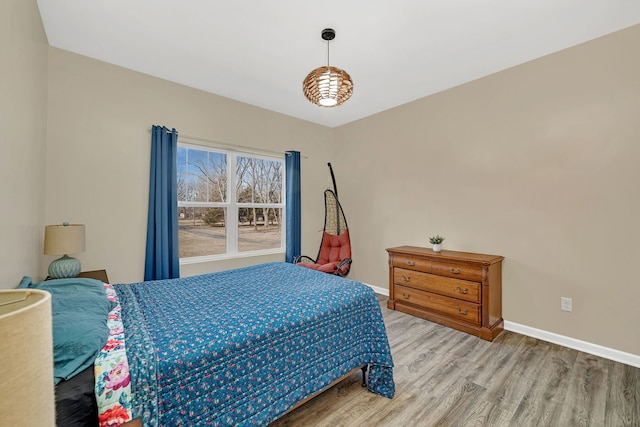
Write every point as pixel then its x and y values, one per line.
pixel 566 304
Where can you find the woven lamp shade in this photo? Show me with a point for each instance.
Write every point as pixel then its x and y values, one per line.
pixel 328 86
pixel 26 359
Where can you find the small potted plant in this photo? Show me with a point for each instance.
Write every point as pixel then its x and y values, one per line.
pixel 436 241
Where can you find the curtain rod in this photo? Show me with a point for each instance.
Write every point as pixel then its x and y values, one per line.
pixel 234 146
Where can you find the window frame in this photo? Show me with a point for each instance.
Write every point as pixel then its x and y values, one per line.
pixel 233 206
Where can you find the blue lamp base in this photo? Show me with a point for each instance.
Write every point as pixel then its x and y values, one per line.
pixel 64 267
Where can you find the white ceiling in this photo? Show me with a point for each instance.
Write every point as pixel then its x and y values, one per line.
pixel 259 52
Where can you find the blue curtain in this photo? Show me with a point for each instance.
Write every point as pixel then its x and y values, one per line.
pixel 294 223
pixel 162 260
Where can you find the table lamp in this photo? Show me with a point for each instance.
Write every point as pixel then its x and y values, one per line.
pixel 64 239
pixel 26 358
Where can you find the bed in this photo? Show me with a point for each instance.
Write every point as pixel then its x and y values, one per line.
pixel 238 347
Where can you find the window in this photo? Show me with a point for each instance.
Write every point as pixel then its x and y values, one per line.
pixel 229 203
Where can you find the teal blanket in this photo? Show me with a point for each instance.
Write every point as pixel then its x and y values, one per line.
pixel 79 309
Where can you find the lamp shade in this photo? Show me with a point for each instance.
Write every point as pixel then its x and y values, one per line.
pixel 26 358
pixel 328 86
pixel 64 239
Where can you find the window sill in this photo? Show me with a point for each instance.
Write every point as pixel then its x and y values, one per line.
pixel 210 258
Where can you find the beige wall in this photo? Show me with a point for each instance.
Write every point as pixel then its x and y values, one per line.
pixel 98 145
pixel 535 163
pixel 23 79
pixel 538 163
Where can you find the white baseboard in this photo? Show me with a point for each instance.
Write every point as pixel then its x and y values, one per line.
pixel 377 290
pixel 587 347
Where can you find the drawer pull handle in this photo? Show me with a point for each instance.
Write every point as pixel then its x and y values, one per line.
pixel 462 291
pixel 406 296
pixel 406 278
pixel 454 270
pixel 412 263
pixel 463 312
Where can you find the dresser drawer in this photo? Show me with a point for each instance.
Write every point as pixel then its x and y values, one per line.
pixel 456 288
pixel 458 271
pixel 411 263
pixel 452 307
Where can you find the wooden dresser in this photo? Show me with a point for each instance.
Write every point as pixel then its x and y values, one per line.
pixel 457 289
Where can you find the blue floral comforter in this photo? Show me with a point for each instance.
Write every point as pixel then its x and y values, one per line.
pixel 241 347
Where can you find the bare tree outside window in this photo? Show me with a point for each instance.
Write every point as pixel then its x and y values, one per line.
pixel 257 184
pixel 212 224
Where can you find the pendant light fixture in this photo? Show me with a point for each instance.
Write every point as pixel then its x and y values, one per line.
pixel 328 86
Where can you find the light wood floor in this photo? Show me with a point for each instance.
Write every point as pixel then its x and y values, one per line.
pixel 448 378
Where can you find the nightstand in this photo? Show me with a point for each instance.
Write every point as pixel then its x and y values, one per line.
pixel 94 274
